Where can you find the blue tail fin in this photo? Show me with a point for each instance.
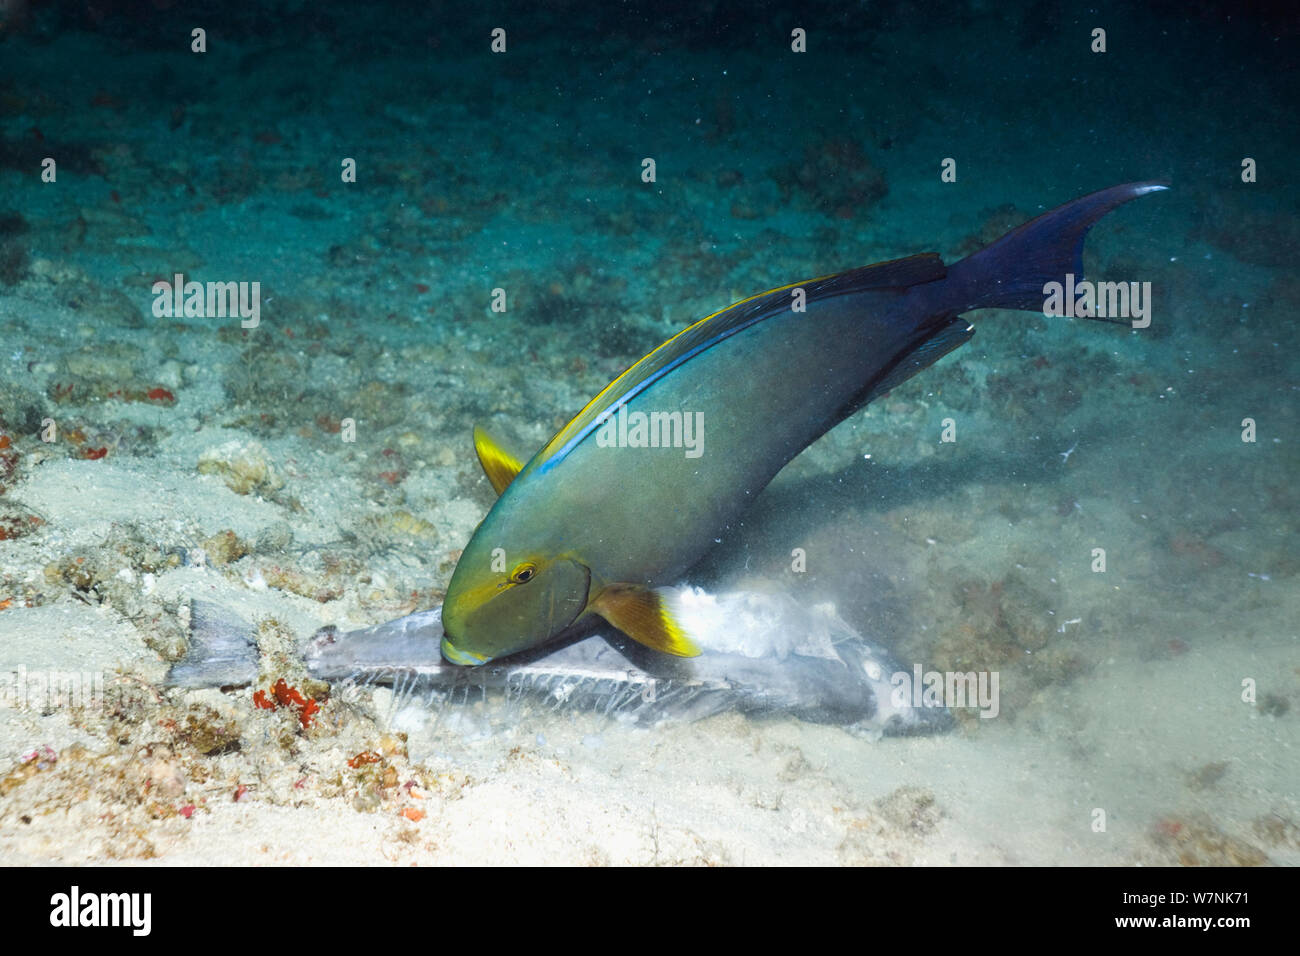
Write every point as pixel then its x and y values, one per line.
pixel 1011 273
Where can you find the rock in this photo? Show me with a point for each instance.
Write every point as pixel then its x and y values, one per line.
pixel 911 808
pixel 245 467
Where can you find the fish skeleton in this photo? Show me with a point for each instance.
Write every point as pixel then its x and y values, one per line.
pixel 596 522
pixel 764 654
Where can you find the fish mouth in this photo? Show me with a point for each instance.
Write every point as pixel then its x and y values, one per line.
pixel 463 658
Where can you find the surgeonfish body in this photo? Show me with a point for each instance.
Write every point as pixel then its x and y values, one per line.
pixel 600 516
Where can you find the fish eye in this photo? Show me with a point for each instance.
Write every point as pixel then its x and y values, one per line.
pixel 523 574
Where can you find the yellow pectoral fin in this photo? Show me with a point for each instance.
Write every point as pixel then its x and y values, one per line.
pixel 641 614
pixel 498 464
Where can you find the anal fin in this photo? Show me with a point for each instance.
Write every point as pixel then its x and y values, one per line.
pixel 955 333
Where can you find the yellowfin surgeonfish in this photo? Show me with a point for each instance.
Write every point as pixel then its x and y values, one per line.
pixel 599 517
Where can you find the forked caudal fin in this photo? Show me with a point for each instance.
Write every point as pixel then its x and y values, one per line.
pixel 1011 272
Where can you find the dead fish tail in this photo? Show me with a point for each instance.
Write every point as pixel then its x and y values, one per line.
pixel 222 650
pixel 1012 272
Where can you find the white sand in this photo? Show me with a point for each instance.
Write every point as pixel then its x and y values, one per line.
pixel 581 789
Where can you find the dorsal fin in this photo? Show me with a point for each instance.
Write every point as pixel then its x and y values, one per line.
pixel 499 465
pixel 709 331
